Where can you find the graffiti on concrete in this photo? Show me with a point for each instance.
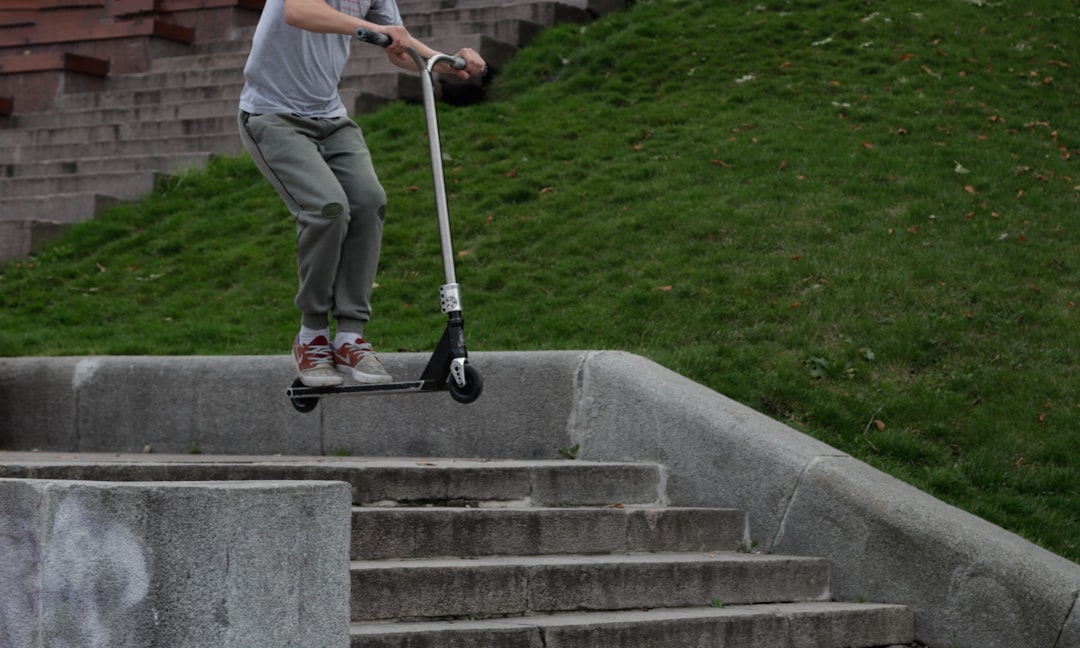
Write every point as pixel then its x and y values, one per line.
pixel 70 580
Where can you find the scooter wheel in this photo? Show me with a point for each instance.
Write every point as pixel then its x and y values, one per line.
pixel 474 384
pixel 303 405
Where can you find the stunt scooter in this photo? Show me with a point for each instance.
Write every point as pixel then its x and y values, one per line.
pixel 448 368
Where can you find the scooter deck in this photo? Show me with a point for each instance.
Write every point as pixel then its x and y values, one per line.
pixel 301 391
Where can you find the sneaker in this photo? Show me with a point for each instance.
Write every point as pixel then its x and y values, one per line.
pixel 359 361
pixel 315 363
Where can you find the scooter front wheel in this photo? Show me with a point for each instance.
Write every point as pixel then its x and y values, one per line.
pixel 470 391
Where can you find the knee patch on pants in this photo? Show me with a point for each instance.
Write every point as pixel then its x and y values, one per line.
pixel 332 210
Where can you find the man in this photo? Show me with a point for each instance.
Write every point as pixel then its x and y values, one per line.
pixel 296 128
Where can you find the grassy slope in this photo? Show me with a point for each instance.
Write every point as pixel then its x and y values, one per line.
pixel 857 217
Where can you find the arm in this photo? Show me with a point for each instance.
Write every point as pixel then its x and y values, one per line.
pixel 317 16
pixel 474 63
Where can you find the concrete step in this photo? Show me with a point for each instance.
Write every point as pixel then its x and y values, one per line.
pixel 156 129
pixel 377 481
pixel 150 96
pixel 239 40
pixel 127 185
pixel 30 212
pixel 383 533
pixel 128 45
pixel 226 143
pixel 499 586
pixel 186 78
pixel 166 163
pixel 158 111
pixel 227 60
pixel 797 625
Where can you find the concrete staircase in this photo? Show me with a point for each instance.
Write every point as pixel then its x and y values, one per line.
pixel 513 553
pixel 85 124
pixel 969 583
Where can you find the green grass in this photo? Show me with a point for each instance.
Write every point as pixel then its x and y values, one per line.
pixel 857 217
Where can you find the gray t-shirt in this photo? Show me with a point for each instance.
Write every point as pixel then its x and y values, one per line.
pixel 291 70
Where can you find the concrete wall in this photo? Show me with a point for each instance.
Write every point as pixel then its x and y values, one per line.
pixel 972 585
pixel 237 405
pixel 161 565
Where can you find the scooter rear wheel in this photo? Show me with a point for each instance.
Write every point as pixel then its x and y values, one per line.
pixel 303 405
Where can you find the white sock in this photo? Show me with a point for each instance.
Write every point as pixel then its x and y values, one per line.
pixel 309 334
pixel 347 337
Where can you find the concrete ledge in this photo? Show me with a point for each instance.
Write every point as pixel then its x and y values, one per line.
pixel 719 452
pixel 969 582
pixel 989 588
pixel 214 565
pixel 237 405
pixel 972 584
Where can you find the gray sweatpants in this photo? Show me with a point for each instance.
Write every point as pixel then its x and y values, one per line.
pixel 322 169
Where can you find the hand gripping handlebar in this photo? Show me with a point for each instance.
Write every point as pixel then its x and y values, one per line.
pixel 382 40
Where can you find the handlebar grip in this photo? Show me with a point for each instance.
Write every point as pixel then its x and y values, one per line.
pixel 458 63
pixel 373 37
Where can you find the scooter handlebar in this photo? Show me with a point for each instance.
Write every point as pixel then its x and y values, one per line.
pixel 382 40
pixel 373 37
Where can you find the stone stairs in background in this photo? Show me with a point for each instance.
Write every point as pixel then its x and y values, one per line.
pixel 455 553
pixel 118 122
